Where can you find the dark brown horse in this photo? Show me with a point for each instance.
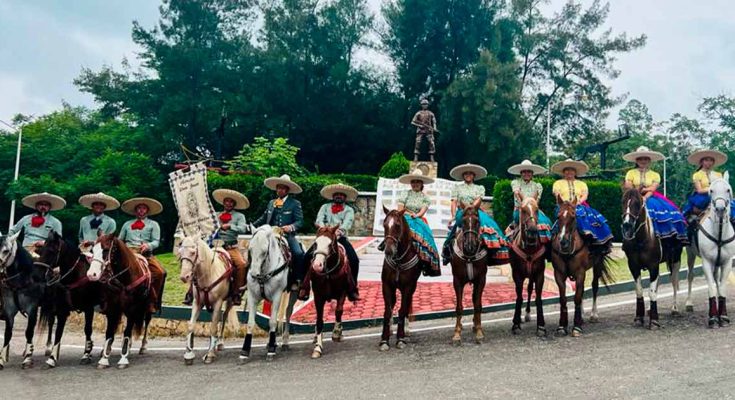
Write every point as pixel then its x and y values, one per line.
pixel 469 266
pixel 400 272
pixel 572 257
pixel 71 290
pixel 129 288
pixel 330 277
pixel 528 261
pixel 645 250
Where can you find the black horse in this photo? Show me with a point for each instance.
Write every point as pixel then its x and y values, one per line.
pixel 23 287
pixel 69 291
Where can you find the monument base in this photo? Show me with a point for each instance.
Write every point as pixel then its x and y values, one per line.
pixel 429 168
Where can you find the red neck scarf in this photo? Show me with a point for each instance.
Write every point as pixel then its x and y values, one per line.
pixel 37 220
pixel 137 225
pixel 337 208
pixel 225 217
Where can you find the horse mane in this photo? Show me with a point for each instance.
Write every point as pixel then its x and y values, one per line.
pixel 23 257
pixel 127 257
pixel 529 201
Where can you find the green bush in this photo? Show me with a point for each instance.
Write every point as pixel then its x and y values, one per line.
pixel 396 166
pixel 604 197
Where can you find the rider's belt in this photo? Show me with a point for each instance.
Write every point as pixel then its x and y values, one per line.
pixel 230 245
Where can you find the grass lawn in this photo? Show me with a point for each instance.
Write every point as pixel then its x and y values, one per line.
pixel 175 290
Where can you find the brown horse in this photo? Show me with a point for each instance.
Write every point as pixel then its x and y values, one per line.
pixel 645 250
pixel 572 257
pixel 528 261
pixel 330 277
pixel 469 266
pixel 129 288
pixel 400 272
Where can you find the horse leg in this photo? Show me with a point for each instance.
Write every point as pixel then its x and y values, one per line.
pixel 195 311
pixel 561 283
pixel 528 302
pixel 459 309
pixel 30 328
pixel 127 343
pixel 337 331
pixel 144 343
pixel 53 357
pixel 213 329
pixel 5 352
pixel 49 336
pixel 403 311
pixel 273 326
pixel 540 322
pixel 518 280
pixel 318 343
pixel 640 306
pixel 708 268
pixel 578 293
pixel 674 266
pixel 477 290
pixel 653 297
pixel 248 341
pixel 594 316
pixel 88 344
pixel 691 257
pixel 113 319
pixel 286 335
pixel 389 300
pixel 724 320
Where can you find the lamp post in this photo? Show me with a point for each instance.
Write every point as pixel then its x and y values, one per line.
pixel 17 167
pixel 548 133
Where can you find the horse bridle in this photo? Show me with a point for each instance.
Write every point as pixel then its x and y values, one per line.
pixel 332 250
pixel 263 279
pixel 635 218
pixel 394 262
pixel 568 254
pixel 721 222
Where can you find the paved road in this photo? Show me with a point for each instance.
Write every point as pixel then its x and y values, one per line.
pixel 613 360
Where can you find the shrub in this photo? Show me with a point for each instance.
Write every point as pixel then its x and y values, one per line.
pixel 396 166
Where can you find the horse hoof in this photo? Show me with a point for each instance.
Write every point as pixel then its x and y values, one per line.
pixel 675 313
pixel 27 365
pixel 85 361
pixel 270 356
pixel 143 351
pixel 690 308
pixel 50 363
pixel 713 323
pixel 400 344
pixel 220 347
pixel 123 366
pixel 479 339
pixel 208 360
pixel 638 321
pixel 102 366
pixel 189 362
pixel 384 346
pixel 541 332
pixel 594 319
pixel 316 354
pixel 516 329
pixel 285 347
pixel 47 353
pixel 577 332
pixel 527 318
pixel 243 359
pixel 654 325
pixel 456 341
pixel 337 338
pixel 561 331
pixel 2 367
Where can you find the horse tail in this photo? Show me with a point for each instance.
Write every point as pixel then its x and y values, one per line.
pixel 603 268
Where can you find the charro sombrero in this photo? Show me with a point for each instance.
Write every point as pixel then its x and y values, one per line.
pixel 579 166
pixel 154 207
pixel 696 157
pixel 329 191
pixel 416 175
pixel 526 165
pixel 459 170
pixel 110 202
pixel 272 183
pixel 241 201
pixel 641 152
pixel 57 203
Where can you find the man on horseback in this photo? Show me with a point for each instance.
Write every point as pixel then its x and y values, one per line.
pixel 232 225
pixel 425 123
pixel 37 226
pixel 97 222
pixel 336 213
pixel 285 212
pixel 143 235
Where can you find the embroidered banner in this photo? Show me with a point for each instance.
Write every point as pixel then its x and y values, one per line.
pixel 191 197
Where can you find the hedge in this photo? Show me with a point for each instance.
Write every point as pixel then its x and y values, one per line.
pixel 604 197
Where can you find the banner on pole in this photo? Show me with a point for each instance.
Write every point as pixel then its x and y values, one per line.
pixel 191 197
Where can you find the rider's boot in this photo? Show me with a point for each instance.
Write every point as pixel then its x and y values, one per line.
pixel 189 298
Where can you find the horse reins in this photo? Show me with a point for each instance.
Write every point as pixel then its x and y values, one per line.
pixel 719 242
pixel 395 262
pixel 470 260
pixel 328 270
pixel 145 276
pixel 262 279
pixel 207 289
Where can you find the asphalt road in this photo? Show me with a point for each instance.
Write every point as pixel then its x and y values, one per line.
pixel 613 359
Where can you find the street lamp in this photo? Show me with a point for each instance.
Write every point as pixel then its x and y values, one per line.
pixel 17 167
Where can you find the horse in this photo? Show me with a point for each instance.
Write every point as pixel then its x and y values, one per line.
pixel 70 290
pixel 469 266
pixel 528 261
pixel 400 272
pixel 330 276
pixel 645 251
pixel 209 273
pixel 571 257
pixel 23 288
pixel 268 280
pixel 716 246
pixel 128 288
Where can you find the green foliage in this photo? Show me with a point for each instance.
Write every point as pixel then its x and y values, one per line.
pixel 604 197
pixel 396 166
pixel 268 157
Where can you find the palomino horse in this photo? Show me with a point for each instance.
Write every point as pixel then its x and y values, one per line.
pixel 528 261
pixel 400 272
pixel 716 245
pixel 128 288
pixel 571 258
pixel 645 251
pixel 209 273
pixel 469 265
pixel 71 291
pixel 23 287
pixel 330 277
pixel 267 280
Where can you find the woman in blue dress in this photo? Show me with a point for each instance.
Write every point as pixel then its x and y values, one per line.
pixel 417 203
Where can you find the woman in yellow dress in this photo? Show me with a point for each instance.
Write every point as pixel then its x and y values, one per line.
pixel 706 161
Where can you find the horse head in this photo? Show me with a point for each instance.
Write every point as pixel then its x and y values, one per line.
pixel 720 193
pixel 470 237
pixel 326 245
pixel 567 225
pixel 52 251
pixel 265 251
pixel 101 255
pixel 528 220
pixel 8 250
pixel 394 228
pixel 633 209
pixel 187 256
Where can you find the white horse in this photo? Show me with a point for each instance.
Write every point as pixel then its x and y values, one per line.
pixel 267 280
pixel 209 272
pixel 716 247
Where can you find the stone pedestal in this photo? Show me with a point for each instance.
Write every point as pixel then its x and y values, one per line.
pixel 429 168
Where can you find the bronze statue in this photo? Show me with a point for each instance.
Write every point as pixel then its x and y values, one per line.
pixel 425 123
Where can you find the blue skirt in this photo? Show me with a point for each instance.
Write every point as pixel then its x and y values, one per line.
pixel 701 201
pixel 591 224
pixel 423 240
pixel 543 224
pixel 491 234
pixel 668 221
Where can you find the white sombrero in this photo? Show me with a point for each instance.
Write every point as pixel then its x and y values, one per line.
pixel 526 165
pixel 641 152
pixel 57 203
pixel 459 170
pixel 154 207
pixel 272 183
pixel 241 201
pixel 696 157
pixel 579 166
pixel 416 175
pixel 110 202
pixel 329 191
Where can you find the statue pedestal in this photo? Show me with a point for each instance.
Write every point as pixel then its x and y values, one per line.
pixel 429 168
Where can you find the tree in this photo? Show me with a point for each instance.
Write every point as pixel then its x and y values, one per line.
pixel 268 157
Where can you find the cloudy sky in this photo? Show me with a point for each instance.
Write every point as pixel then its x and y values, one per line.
pixel 44 44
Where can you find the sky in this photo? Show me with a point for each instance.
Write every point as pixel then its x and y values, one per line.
pixel 44 44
